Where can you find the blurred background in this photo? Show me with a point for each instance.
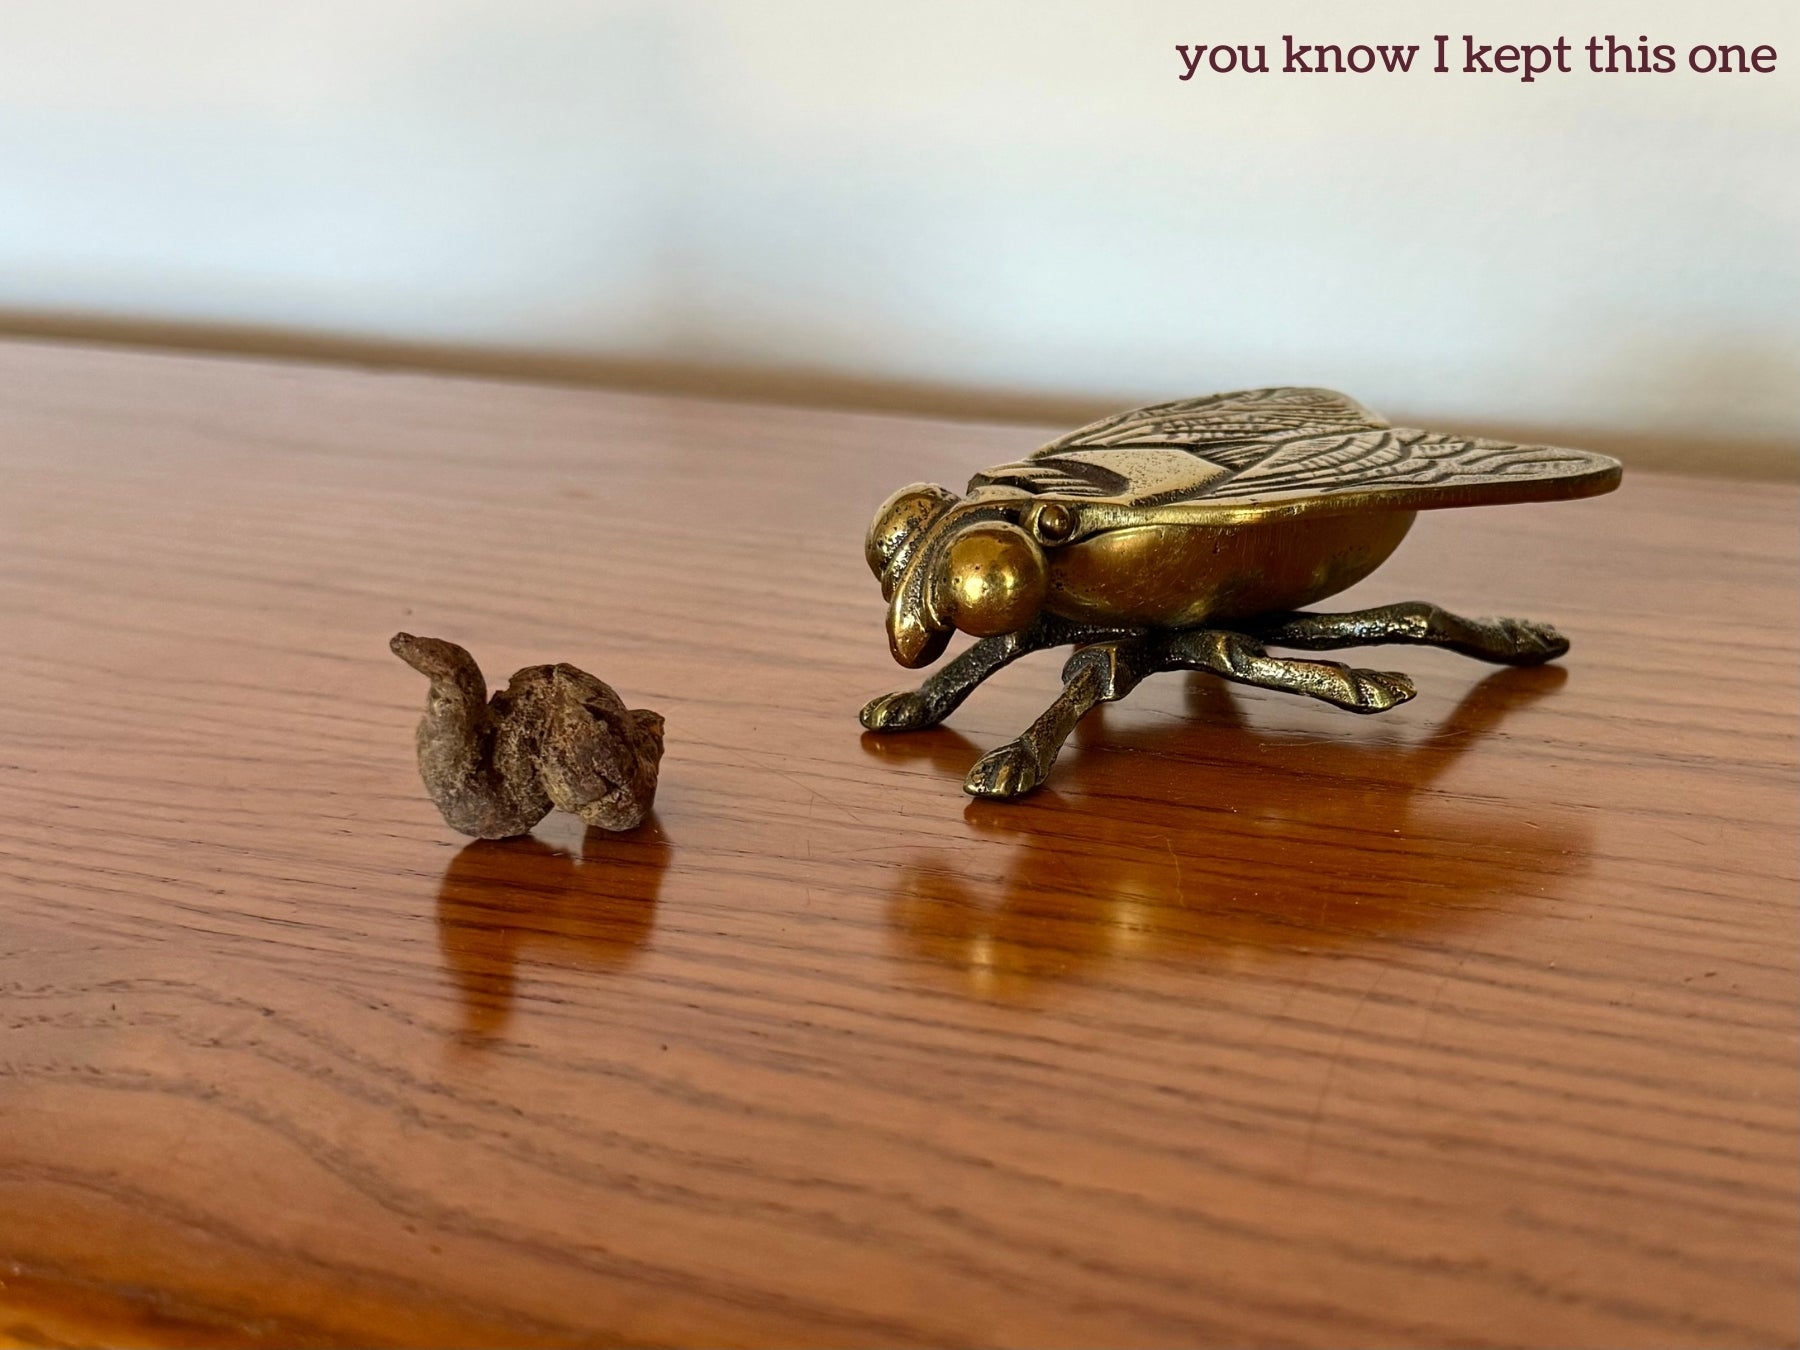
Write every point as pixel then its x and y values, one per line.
pixel 970 207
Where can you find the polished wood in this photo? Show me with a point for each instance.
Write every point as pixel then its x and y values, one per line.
pixel 1693 449
pixel 1472 1023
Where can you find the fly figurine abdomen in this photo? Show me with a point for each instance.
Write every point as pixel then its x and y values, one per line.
pixel 1191 536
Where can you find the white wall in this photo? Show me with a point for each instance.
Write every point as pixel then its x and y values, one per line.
pixel 1019 197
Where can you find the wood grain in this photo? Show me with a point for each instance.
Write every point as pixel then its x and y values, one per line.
pixel 1469 1024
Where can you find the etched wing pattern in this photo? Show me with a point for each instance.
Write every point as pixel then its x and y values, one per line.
pixel 1303 447
pixel 1194 423
pixel 1400 458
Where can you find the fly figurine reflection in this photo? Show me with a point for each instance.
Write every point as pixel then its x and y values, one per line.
pixel 1190 536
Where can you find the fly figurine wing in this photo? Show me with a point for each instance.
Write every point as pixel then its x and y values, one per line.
pixel 1270 453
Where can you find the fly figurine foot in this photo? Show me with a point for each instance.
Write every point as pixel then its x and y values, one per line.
pixel 1192 536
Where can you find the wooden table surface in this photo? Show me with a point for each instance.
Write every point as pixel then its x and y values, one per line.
pixel 1469 1024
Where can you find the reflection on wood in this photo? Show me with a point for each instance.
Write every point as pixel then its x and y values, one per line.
pixel 1121 888
pixel 506 902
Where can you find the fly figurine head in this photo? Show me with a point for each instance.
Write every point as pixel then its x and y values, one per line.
pixel 946 564
pixel 1187 535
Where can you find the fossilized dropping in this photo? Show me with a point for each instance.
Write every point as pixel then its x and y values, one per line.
pixel 554 737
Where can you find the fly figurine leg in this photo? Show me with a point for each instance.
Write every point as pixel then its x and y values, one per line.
pixel 1511 642
pixel 1099 672
pixel 1243 659
pixel 1104 671
pixel 1109 663
pixel 944 690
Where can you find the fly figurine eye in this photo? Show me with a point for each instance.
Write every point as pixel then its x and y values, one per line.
pixel 1191 536
pixel 997 579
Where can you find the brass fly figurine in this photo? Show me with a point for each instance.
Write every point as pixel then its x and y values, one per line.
pixel 1189 536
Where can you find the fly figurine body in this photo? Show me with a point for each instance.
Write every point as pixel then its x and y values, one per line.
pixel 1191 536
